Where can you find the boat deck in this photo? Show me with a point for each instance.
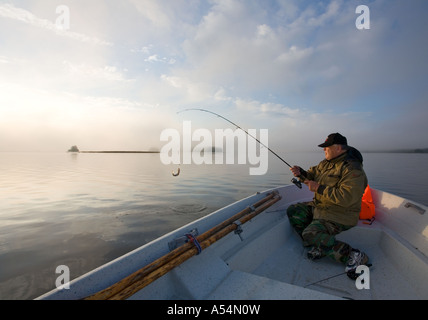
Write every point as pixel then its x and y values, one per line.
pixel 392 276
pixel 271 264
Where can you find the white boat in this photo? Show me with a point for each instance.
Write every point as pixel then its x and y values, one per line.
pixel 263 258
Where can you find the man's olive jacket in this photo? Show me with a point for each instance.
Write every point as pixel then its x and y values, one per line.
pixel 342 184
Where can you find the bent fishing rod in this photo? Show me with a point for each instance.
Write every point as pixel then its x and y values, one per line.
pixel 294 180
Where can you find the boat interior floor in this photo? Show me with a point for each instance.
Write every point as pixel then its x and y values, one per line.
pixel 395 272
pixel 273 265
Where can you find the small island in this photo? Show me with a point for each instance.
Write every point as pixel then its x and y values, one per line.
pixel 73 149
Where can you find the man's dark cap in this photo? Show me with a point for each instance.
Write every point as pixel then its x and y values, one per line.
pixel 334 138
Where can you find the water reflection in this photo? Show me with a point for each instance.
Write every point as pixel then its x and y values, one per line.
pixel 83 210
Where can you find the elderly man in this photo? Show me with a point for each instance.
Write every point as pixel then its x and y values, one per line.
pixel 338 183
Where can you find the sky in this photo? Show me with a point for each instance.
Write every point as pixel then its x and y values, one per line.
pixel 112 75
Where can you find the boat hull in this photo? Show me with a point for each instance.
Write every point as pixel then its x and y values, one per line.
pixel 266 261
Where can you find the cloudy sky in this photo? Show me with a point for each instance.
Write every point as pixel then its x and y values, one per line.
pixel 109 74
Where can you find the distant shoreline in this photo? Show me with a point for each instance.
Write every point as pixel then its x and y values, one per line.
pixel 365 151
pixel 425 150
pixel 118 152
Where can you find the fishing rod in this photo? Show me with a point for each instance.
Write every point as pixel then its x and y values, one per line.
pixel 294 180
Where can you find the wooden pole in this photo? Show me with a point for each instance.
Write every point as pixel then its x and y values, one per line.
pixel 156 274
pixel 142 273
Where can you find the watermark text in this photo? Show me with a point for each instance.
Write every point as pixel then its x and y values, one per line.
pixel 62 22
pixel 229 146
pixel 363 21
pixel 363 280
pixel 63 281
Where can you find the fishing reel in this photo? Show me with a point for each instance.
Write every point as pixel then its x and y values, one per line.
pixel 297 182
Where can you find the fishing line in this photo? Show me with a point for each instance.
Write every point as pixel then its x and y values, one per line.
pixel 351 274
pixel 294 180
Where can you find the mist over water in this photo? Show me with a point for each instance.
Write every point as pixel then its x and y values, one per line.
pixel 83 210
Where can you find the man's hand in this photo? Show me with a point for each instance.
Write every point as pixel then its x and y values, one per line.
pixel 312 185
pixel 296 171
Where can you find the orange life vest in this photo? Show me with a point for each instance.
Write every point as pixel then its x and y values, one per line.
pixel 367 206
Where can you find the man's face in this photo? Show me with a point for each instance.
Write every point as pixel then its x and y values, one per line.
pixel 332 151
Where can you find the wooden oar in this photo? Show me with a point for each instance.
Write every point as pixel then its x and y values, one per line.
pixel 159 272
pixel 136 276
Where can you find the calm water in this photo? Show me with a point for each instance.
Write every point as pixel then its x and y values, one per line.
pixel 83 210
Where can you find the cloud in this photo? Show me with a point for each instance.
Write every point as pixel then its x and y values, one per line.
pixel 332 11
pixel 47 121
pixel 315 54
pixel 155 58
pixel 155 12
pixel 267 109
pixel 235 46
pixel 299 68
pixel 168 18
pixel 108 73
pixel 189 90
pixel 22 15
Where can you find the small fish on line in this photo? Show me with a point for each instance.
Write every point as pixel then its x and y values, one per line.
pixel 176 174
